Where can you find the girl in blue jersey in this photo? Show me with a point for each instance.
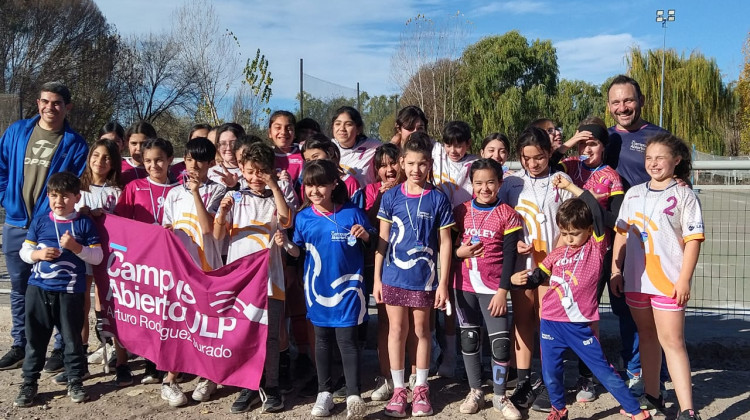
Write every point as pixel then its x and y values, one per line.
pixel 332 229
pixel 414 229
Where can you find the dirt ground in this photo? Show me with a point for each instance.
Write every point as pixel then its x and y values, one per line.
pixel 721 378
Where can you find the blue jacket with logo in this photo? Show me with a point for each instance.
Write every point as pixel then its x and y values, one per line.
pixel 70 156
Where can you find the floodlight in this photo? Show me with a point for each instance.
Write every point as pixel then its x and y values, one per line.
pixel 659 19
pixel 670 12
pixel 670 18
pixel 659 12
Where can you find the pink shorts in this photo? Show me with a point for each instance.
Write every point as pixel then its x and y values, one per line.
pixel 639 300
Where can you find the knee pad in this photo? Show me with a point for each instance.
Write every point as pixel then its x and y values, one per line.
pixel 500 344
pixel 470 340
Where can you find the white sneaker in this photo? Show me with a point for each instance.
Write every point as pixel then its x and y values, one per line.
pixel 383 389
pixel 473 402
pixel 355 408
pixel 586 390
pixel 204 389
pixel 171 392
pixel 502 404
pixel 96 357
pixel 323 405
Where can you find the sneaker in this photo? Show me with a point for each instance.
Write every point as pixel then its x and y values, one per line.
pixel 26 394
pixel 96 357
pixel 309 389
pixel 171 392
pixel 272 401
pixel 323 405
pixel 689 415
pixel 473 402
pixel 412 381
pixel 523 396
pixel 355 408
pixel 339 395
pixel 636 386
pixel 204 389
pixel 54 362
pixel 245 401
pixel 556 414
pixel 646 414
pixel 62 377
pixel 383 389
pixel 123 376
pixel 586 390
pixel 502 404
pixel 396 407
pixel 542 402
pixel 654 406
pixel 77 392
pixel 151 375
pixel 13 359
pixel 420 402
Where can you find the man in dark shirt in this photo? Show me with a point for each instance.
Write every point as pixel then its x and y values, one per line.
pixel 30 152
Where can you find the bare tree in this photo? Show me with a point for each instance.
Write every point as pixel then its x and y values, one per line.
pixel 65 40
pixel 153 78
pixel 209 50
pixel 425 65
pixel 250 105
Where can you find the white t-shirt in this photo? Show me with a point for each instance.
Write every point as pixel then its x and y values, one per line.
pixel 452 178
pixel 537 201
pixel 252 223
pixel 181 213
pixel 99 197
pixel 358 160
pixel 672 217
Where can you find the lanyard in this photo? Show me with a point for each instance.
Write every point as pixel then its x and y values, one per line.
pixel 155 210
pixel 351 240
pixel 580 178
pixel 57 231
pixel 416 216
pixel 475 238
pixel 644 233
pixel 540 217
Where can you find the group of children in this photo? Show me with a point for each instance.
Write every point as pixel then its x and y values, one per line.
pixel 420 225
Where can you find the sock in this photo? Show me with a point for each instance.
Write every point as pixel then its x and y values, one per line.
pixel 398 378
pixel 422 376
pixel 524 375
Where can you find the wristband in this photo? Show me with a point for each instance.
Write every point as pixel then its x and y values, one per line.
pixel 614 273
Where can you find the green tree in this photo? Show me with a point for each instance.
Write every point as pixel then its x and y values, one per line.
pixel 250 106
pixel 574 101
pixel 697 103
pixel 507 82
pixel 377 110
pixel 743 99
pixel 321 110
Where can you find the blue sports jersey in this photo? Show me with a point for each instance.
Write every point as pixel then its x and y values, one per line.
pixel 67 273
pixel 334 288
pixel 626 152
pixel 413 244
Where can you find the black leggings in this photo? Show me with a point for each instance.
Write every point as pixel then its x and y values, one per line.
pixel 325 340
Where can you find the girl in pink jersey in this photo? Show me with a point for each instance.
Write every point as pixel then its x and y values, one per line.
pixel 288 156
pixel 488 233
pixel 660 230
pixel 135 136
pixel 143 200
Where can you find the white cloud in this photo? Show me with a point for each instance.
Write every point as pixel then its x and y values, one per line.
pixel 514 7
pixel 595 58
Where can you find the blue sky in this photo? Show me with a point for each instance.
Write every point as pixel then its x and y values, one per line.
pixel 346 42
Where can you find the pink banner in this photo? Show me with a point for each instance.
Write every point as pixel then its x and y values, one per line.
pixel 165 308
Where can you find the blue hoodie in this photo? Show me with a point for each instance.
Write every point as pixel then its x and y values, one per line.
pixel 70 156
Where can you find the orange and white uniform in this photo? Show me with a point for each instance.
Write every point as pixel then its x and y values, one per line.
pixel 181 214
pixel 657 224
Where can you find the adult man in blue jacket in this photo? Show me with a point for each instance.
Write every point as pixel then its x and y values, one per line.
pixel 30 152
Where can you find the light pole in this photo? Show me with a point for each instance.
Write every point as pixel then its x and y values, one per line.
pixel 663 20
